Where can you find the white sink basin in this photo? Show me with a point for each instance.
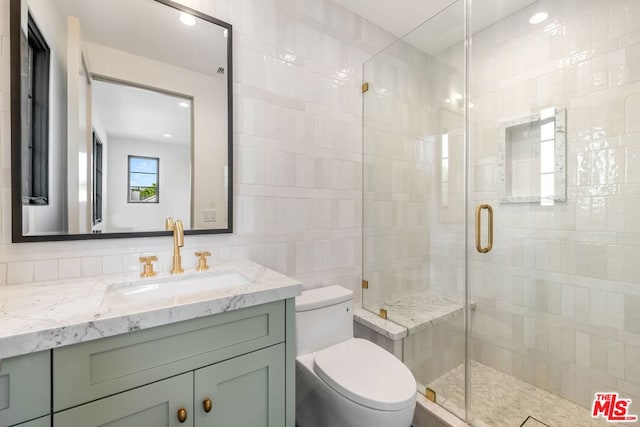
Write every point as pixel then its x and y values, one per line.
pixel 173 286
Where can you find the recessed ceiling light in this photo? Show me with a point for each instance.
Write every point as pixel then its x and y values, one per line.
pixel 184 104
pixel 167 135
pixel 225 33
pixel 538 18
pixel 187 19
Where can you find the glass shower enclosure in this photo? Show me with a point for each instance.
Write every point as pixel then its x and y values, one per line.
pixel 501 197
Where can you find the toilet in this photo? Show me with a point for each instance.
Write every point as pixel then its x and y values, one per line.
pixel 342 381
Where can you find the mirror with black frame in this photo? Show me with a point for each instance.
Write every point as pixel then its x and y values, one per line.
pixel 121 117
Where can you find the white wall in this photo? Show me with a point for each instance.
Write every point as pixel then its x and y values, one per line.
pixel 51 218
pixel 174 185
pixel 297 142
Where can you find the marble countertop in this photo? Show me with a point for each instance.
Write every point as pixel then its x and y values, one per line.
pixel 46 315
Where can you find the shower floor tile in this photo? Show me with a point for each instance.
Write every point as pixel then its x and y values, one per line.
pixel 501 400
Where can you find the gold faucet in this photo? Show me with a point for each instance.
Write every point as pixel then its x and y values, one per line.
pixel 178 242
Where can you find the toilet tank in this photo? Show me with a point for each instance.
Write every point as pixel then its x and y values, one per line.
pixel 324 317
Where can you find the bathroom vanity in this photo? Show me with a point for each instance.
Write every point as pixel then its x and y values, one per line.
pixel 126 352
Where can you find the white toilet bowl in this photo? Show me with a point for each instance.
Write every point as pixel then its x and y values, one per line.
pixel 351 382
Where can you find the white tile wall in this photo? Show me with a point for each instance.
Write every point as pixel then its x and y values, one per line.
pixel 297 141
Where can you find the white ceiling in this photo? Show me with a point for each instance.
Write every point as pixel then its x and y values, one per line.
pixel 155 113
pixel 150 29
pixel 445 27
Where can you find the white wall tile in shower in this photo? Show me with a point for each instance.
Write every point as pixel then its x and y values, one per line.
pixel 615 358
pixel 632 363
pixel 632 106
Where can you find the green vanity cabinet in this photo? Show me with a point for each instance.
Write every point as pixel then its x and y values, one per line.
pixel 238 362
pixel 25 388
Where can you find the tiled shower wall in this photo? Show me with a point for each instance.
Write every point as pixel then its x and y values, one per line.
pixel 558 299
pixel 297 152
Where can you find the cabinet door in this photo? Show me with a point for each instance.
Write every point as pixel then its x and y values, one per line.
pixel 247 390
pixel 154 405
pixel 25 388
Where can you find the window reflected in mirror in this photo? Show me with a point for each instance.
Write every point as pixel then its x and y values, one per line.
pixel 98 178
pixel 143 179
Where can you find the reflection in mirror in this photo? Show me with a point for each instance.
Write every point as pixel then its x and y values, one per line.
pixel 143 179
pixel 119 124
pixel 146 160
pixel 532 159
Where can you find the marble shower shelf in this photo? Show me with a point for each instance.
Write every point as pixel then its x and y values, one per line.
pixel 411 313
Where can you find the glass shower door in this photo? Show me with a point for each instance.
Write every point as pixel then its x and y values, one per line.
pixel 553 105
pixel 413 196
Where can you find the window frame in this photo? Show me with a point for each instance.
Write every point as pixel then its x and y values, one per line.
pixel 98 170
pixel 35 144
pixel 157 174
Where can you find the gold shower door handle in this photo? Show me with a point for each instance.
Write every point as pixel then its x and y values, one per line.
pixel 479 248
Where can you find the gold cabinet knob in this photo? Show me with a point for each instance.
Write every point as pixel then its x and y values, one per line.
pixel 182 415
pixel 147 268
pixel 207 405
pixel 202 260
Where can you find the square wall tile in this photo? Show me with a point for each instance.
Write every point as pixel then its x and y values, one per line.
pixel 19 272
pixel 112 264
pixel 45 270
pixel 69 268
pixel 91 266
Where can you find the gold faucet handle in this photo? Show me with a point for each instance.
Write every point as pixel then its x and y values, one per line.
pixel 202 260
pixel 147 268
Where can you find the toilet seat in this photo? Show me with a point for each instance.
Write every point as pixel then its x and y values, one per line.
pixel 366 374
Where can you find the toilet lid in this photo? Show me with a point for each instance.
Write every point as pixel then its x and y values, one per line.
pixel 366 374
